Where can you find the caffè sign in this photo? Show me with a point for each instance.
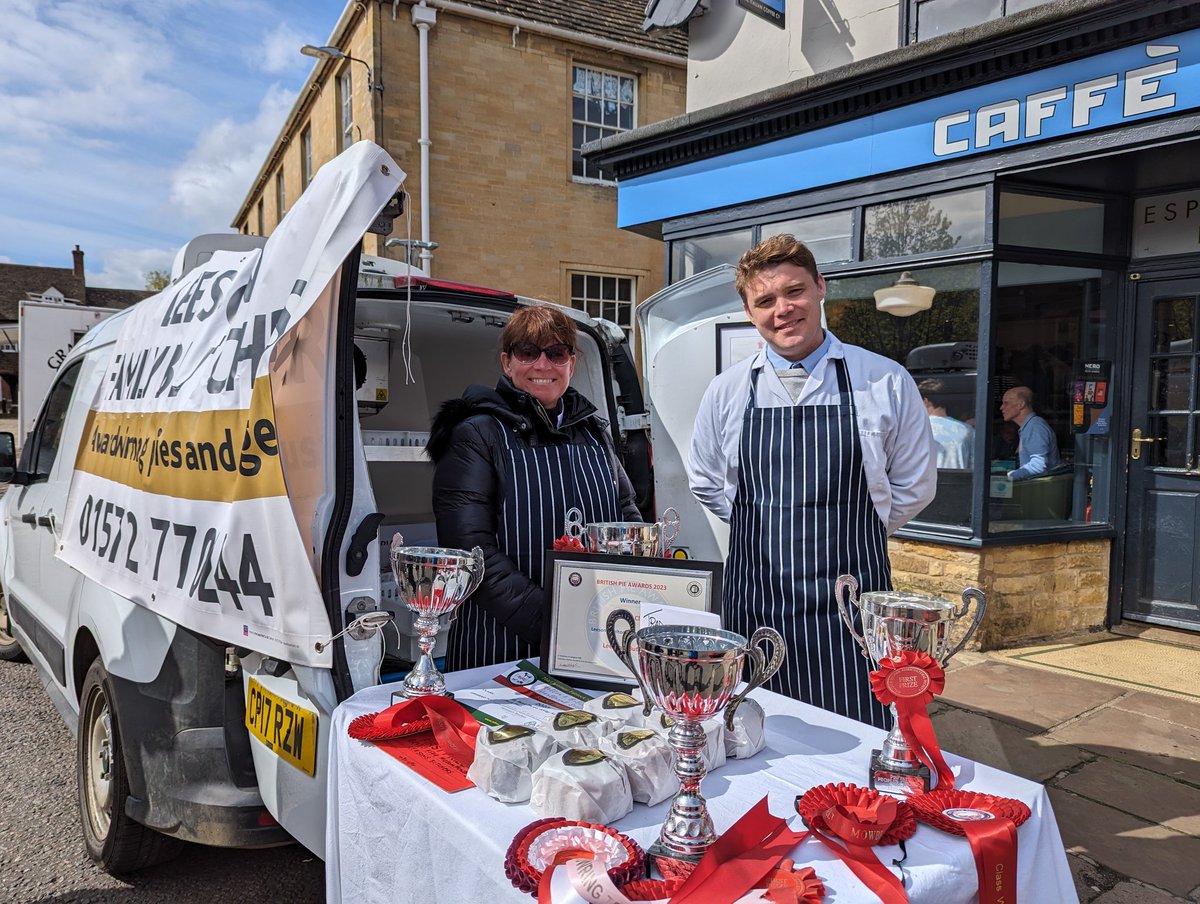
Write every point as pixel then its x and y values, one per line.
pixel 1167 224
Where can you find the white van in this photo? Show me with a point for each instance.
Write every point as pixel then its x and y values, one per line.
pixel 182 627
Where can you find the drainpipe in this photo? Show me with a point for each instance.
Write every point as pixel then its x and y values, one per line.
pixel 424 18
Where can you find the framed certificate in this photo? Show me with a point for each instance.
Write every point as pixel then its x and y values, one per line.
pixel 583 589
pixel 736 342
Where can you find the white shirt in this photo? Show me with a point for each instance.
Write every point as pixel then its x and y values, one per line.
pixel 899 455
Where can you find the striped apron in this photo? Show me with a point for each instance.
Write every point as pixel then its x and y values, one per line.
pixel 803 515
pixel 541 483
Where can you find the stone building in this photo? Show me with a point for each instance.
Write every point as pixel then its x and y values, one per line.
pixel 514 88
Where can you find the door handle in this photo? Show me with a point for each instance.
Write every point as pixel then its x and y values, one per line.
pixel 29 518
pixel 46 520
pixel 1135 443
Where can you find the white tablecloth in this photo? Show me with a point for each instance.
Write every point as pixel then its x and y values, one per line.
pixel 394 837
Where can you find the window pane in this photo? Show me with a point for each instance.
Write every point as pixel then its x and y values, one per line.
pixel 919 225
pixel 1171 380
pixel 938 346
pixel 827 235
pixel 625 118
pixel 627 91
pixel 593 109
pixel 1034 221
pixel 579 85
pixel 695 255
pixel 1173 329
pixel 608 287
pixel 578 107
pixel 577 285
pixel 937 17
pixel 1170 450
pixel 610 87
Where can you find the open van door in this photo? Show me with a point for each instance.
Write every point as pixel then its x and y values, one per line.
pixel 688 330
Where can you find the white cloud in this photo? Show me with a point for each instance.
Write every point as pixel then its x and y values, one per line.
pixel 281 51
pixel 5 259
pixel 126 268
pixel 216 174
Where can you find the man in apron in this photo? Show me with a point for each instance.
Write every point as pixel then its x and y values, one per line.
pixel 815 452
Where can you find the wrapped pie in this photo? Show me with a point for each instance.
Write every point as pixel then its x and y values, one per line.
pixel 505 759
pixel 583 784
pixel 748 736
pixel 714 737
pixel 649 762
pixel 618 707
pixel 576 728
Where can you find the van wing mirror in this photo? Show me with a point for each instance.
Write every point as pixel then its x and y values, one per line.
pixel 8 457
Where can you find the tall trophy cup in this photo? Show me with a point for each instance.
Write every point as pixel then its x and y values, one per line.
pixel 432 581
pixel 893 622
pixel 691 673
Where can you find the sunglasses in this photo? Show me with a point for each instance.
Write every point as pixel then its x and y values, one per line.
pixel 528 353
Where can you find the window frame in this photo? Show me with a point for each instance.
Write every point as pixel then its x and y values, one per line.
pixel 605 130
pixel 31 454
pixel 306 158
pixel 344 101
pixel 280 195
pixel 579 303
pixel 909 17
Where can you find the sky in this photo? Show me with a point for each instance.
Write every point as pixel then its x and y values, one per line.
pixel 127 128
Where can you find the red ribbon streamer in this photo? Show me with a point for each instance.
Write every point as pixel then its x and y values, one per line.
pixel 910 680
pixel 994 844
pixel 454 728
pixel 740 859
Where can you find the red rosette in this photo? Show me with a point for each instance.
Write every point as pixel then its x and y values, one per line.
pixel 674 869
pixel 535 847
pixel 815 805
pixel 909 674
pixel 788 885
pixel 931 808
pixel 567 543
pixel 382 726
pixel 651 889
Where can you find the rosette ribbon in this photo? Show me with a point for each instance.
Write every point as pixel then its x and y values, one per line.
pixel 849 821
pixel 567 543
pixel 990 826
pixel 909 681
pixel 454 728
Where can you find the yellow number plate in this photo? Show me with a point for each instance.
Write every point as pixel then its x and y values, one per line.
pixel 291 732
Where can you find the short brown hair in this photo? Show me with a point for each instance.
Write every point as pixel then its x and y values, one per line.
pixel 778 249
pixel 541 324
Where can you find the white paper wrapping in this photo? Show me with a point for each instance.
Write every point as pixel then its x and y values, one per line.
pixel 748 736
pixel 619 708
pixel 648 760
pixel 505 759
pixel 714 737
pixel 583 784
pixel 576 728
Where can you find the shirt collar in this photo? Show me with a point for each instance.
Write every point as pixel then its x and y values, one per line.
pixel 810 362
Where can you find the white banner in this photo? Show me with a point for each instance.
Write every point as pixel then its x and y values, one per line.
pixel 179 500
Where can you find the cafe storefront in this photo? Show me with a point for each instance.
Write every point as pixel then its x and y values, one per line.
pixel 1044 185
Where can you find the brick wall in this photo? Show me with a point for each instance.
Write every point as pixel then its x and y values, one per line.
pixel 1033 592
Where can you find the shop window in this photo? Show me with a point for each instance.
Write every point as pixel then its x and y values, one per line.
pixel 600 295
pixel 930 18
pixel 602 104
pixel 938 346
pixel 695 255
pixel 827 235
pixel 946 222
pixel 1054 344
pixel 1038 221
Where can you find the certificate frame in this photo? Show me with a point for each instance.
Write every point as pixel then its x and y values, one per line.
pixel 574 648
pixel 732 342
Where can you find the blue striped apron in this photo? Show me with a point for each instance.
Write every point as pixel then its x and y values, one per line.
pixel 803 515
pixel 540 484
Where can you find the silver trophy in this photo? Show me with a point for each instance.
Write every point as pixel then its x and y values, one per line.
pixel 893 622
pixel 691 673
pixel 432 581
pixel 633 538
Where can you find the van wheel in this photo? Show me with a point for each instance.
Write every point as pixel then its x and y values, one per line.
pixel 116 842
pixel 10 648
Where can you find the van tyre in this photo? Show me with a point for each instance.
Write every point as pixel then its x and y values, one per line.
pixel 116 842
pixel 10 647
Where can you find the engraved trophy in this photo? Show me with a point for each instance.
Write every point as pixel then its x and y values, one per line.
pixel 432 581
pixel 893 622
pixel 633 538
pixel 690 673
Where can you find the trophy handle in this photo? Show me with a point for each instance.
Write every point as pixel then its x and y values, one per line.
pixel 849 583
pixel 475 572
pixel 763 668
pixel 621 648
pixel 971 593
pixel 573 526
pixel 670 526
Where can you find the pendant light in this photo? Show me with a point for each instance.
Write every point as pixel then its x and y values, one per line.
pixel 905 297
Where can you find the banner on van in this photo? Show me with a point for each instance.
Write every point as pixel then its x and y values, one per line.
pixel 180 496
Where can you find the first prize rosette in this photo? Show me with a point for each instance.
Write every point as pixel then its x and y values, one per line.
pixel 547 843
pixel 909 681
pixel 990 826
pixel 849 821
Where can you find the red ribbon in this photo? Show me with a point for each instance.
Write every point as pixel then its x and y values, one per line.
pixel 567 543
pixel 454 728
pixel 740 859
pixel 910 680
pixel 994 844
pixel 861 828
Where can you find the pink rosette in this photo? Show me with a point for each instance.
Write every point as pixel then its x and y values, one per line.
pixel 538 845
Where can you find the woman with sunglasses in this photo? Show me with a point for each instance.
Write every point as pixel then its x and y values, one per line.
pixel 510 463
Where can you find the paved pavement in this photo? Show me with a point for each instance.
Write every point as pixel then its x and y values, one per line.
pixel 1122 767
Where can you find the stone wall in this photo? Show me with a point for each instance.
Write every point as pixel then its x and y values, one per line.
pixel 1034 592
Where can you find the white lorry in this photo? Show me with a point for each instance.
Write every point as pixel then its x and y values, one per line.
pixel 201 504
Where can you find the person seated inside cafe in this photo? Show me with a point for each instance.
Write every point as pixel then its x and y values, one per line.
pixel 955 439
pixel 1037 446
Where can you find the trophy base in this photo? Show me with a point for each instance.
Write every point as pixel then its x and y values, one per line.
pixel 400 696
pixel 900 782
pixel 659 851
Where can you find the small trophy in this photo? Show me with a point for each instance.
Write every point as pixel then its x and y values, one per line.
pixel 432 581
pixel 892 623
pixel 633 538
pixel 691 672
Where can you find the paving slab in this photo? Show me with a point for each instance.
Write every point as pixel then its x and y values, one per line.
pixel 1149 795
pixel 1165 747
pixel 1091 880
pixel 1132 893
pixel 1025 696
pixel 1170 709
pixel 1004 746
pixel 1127 845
